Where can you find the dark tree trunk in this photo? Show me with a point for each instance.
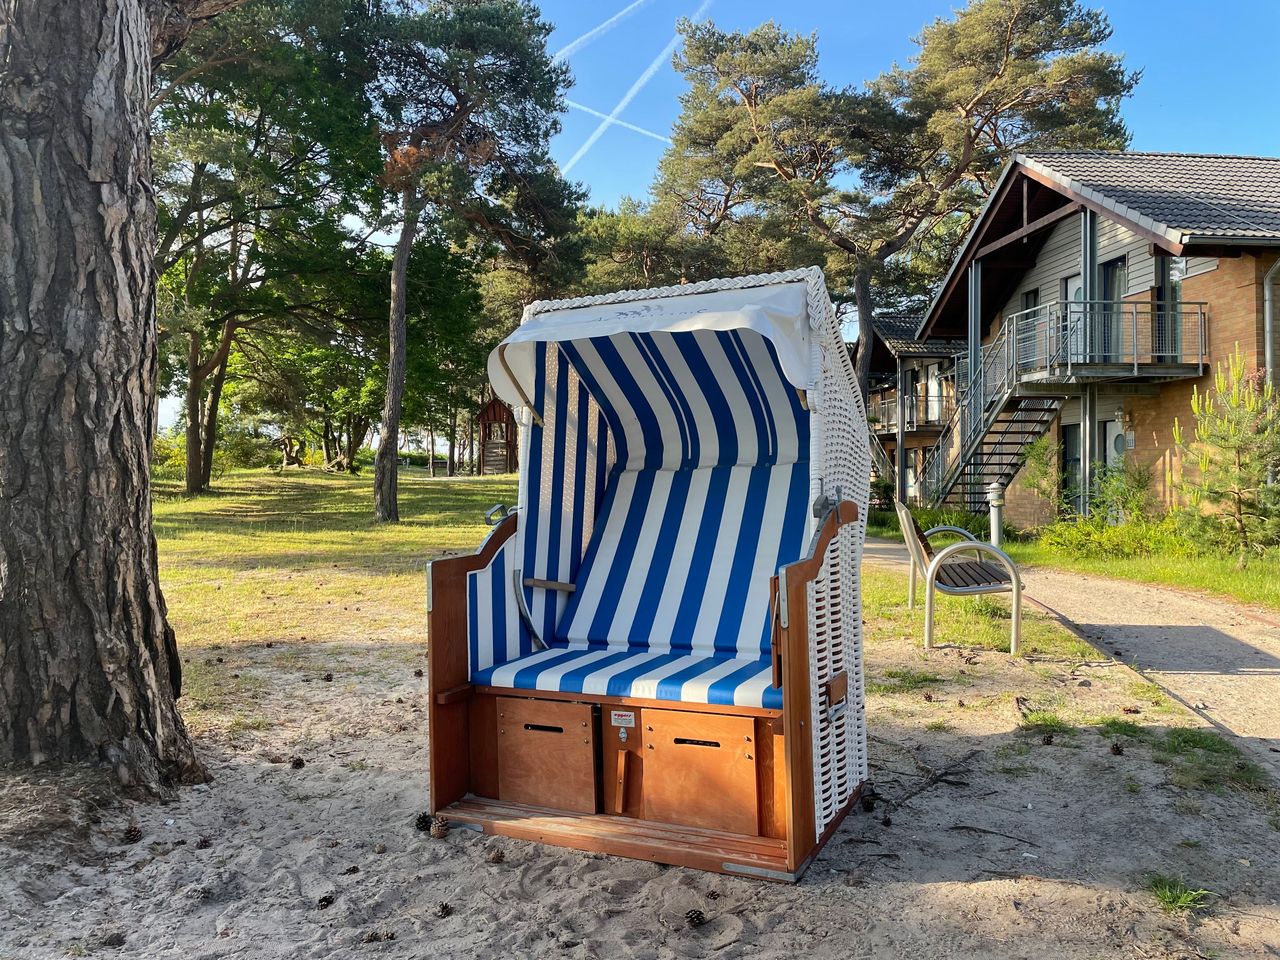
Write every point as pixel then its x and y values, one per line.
pixel 866 310
pixel 386 502
pixel 210 439
pixel 88 664
pixel 453 442
pixel 195 387
pixel 327 441
pixel 357 430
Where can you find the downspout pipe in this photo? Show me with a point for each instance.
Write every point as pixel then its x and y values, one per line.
pixel 1269 321
pixel 1269 330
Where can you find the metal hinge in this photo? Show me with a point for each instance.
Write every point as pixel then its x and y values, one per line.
pixel 784 620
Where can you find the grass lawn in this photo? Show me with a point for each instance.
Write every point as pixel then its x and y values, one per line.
pixel 1257 584
pixel 284 557
pixel 298 556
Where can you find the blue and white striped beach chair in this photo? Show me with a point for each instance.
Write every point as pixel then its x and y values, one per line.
pixel 681 568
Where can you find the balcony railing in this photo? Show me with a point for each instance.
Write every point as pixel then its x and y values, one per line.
pixel 929 412
pixel 1064 335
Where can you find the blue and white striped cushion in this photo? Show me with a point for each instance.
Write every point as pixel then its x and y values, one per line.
pixel 680 677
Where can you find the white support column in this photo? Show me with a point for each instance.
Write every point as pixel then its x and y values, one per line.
pixel 900 453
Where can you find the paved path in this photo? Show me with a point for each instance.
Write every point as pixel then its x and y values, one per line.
pixel 1219 659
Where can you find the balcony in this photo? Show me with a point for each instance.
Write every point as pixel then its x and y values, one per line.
pixel 1074 341
pixel 923 413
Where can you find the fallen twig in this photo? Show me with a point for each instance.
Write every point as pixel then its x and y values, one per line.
pixel 995 833
pixel 934 777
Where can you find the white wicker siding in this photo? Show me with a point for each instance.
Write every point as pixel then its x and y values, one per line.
pixel 841 458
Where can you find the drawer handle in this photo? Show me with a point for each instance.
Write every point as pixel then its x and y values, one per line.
pixel 697 743
pixel 544 727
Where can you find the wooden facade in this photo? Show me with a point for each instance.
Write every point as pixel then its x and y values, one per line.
pixel 499 447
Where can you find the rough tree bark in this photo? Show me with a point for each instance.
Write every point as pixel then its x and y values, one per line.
pixel 209 440
pixel 865 303
pixel 88 663
pixel 386 471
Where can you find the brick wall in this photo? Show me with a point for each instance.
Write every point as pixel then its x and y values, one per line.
pixel 1233 293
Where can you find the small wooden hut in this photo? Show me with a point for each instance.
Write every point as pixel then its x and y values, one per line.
pixel 498 446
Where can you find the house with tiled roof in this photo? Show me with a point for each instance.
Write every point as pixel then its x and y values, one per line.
pixel 1093 294
pixel 922 371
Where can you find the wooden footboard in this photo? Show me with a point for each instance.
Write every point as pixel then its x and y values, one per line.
pixel 448 668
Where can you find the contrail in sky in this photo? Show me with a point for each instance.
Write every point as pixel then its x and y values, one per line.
pixel 616 122
pixel 573 46
pixel 630 95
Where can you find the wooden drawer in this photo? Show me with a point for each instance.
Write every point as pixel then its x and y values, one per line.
pixel 700 770
pixel 547 754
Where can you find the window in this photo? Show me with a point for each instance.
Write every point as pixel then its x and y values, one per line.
pixel 1166 334
pixel 1030 300
pixel 1072 476
pixel 1108 323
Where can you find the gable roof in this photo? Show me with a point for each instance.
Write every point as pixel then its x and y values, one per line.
pixel 1190 204
pixel 1185 197
pixel 898 333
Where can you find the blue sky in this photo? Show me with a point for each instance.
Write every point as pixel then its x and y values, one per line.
pixel 1208 70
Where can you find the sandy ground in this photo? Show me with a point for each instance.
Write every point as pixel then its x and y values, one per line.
pixel 1026 849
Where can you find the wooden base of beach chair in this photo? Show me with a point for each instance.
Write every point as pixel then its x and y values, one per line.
pixel 702 848
pixel 723 788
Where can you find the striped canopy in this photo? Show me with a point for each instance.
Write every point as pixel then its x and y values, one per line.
pixel 664 480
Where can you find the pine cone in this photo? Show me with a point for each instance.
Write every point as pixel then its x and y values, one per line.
pixel 695 918
pixel 496 855
pixel 423 822
pixel 1047 739
pixel 443 910
pixel 297 763
pixel 439 828
pixel 1117 748
pixel 132 833
pixel 204 842
pixel 325 902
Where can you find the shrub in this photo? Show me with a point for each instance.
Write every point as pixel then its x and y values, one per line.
pixel 1236 450
pixel 1139 537
pixel 884 523
pixel 169 455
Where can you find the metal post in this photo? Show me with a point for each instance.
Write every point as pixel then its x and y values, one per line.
pixel 1088 444
pixel 975 324
pixel 995 503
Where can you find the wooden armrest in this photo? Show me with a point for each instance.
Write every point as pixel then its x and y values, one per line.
pixel 550 585
pixel 454 694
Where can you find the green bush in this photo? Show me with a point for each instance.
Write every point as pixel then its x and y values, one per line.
pixel 169 455
pixel 238 448
pixel 884 523
pixel 423 460
pixel 1138 537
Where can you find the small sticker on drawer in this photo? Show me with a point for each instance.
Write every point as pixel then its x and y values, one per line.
pixel 622 718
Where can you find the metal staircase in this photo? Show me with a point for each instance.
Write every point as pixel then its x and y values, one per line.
pixel 993 422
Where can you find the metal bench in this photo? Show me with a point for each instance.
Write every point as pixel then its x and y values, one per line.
pixel 944 571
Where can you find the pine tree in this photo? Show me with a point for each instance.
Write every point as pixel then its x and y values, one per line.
pixel 1236 450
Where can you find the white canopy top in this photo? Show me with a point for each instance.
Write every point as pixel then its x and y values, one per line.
pixel 778 312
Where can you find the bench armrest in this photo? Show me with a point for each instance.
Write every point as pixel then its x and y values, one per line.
pixel 960 530
pixel 979 548
pixel 968 537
